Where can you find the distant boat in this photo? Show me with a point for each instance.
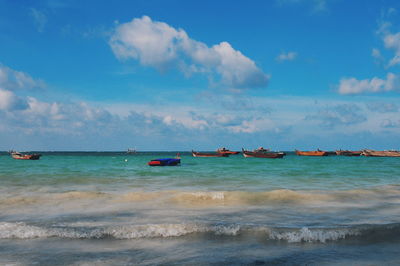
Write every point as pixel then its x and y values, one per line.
pixel 263 154
pixel 226 151
pixel 204 154
pixel 348 153
pixel 131 151
pixel 312 153
pixel 372 153
pixel 165 162
pixel 22 156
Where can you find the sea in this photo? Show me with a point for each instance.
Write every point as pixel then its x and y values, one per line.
pixel 111 208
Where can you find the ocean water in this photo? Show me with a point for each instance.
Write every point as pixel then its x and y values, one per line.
pixel 109 208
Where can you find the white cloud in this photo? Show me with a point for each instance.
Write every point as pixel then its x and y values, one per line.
pixel 9 101
pixel 392 41
pixel 12 80
pixel 290 56
pixel 341 114
pixel 159 45
pixel 40 19
pixel 355 86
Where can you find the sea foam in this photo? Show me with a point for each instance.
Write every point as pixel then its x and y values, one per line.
pixel 19 230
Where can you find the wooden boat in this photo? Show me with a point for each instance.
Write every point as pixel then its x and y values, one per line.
pixel 267 154
pixel 204 154
pixel 372 153
pixel 312 153
pixel 226 151
pixel 348 153
pixel 21 156
pixel 165 162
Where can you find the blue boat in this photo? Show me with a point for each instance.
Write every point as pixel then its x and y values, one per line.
pixel 165 162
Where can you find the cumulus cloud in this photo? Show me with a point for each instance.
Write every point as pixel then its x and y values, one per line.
pixel 39 18
pixel 290 56
pixel 161 46
pixel 355 86
pixel 342 114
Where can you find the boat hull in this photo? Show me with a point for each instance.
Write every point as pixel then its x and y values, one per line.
pixel 270 155
pixel 203 154
pixel 229 152
pixel 312 153
pixel 164 162
pixel 26 156
pixel 370 153
pixel 348 153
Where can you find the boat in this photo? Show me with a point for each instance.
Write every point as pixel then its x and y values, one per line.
pixel 265 154
pixel 348 153
pixel 312 153
pixel 131 151
pixel 226 151
pixel 25 156
pixel 372 153
pixel 205 154
pixel 165 162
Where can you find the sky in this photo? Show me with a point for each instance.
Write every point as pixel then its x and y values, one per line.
pixel 182 75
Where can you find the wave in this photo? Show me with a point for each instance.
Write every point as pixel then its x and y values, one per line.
pixel 213 198
pixel 20 230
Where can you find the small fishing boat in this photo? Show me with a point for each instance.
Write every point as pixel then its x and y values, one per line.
pixel 265 154
pixel 205 154
pixel 312 153
pixel 165 162
pixel 25 156
pixel 348 153
pixel 226 151
pixel 372 153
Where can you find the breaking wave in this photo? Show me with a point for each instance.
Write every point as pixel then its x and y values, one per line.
pixel 20 230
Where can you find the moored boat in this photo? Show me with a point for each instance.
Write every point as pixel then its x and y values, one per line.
pixel 265 154
pixel 206 154
pixel 372 153
pixel 22 156
pixel 227 151
pixel 312 153
pixel 165 162
pixel 348 153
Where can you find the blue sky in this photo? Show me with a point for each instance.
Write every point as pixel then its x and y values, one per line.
pixel 181 75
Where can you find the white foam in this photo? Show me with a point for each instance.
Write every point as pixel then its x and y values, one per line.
pixel 216 195
pixel 23 231
pixel 315 235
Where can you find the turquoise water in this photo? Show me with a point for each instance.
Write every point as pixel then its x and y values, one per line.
pixel 111 208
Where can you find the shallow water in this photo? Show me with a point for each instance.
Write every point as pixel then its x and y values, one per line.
pixel 111 208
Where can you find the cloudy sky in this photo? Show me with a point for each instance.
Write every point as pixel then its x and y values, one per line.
pixel 182 75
